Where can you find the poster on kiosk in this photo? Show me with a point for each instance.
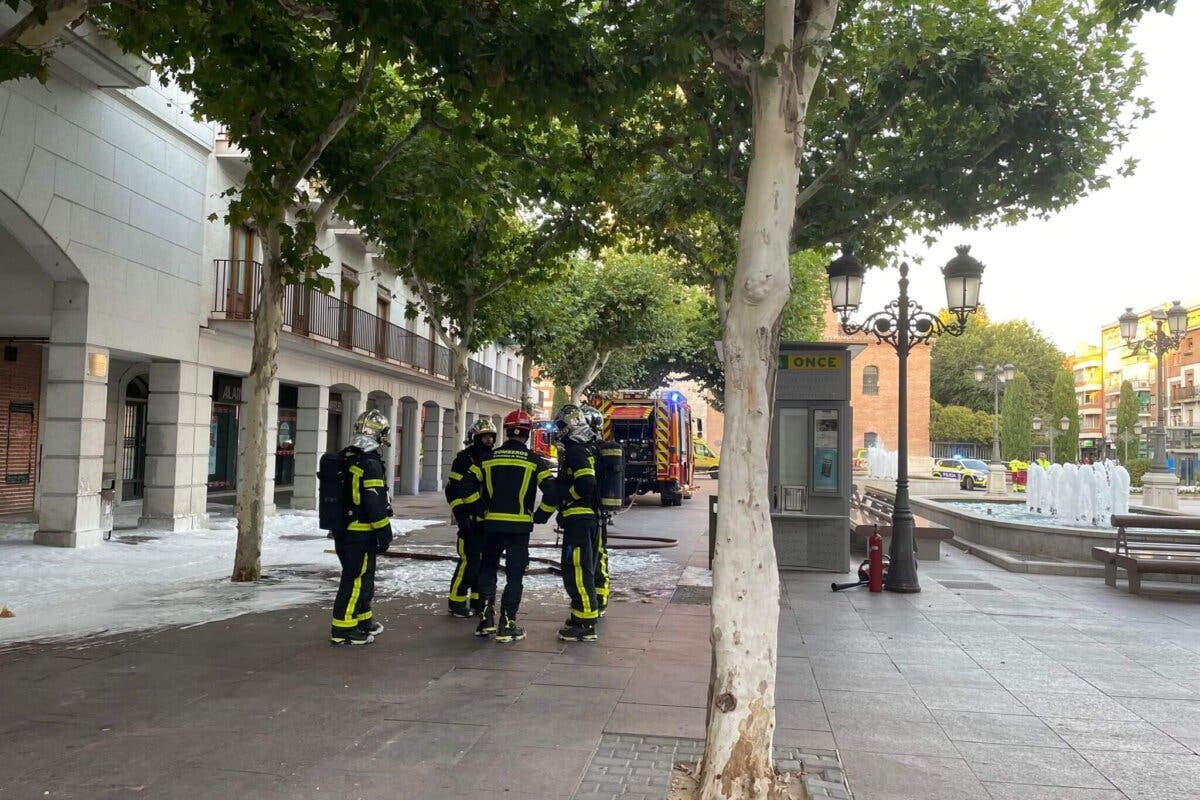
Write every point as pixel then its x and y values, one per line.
pixel 809 460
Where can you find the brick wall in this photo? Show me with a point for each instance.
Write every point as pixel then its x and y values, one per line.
pixel 877 413
pixel 20 399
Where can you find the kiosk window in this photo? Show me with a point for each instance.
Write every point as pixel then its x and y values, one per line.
pixel 793 446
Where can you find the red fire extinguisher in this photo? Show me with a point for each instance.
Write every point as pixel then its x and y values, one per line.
pixel 875 554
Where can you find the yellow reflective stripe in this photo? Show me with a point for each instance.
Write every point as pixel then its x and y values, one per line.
pixel 585 471
pixel 574 494
pixel 588 612
pixel 525 486
pixel 355 490
pixel 458 502
pixel 459 574
pixel 473 497
pixel 487 470
pixel 476 472
pixel 578 511
pixel 547 508
pixel 373 483
pixel 358 526
pixel 455 476
pixel 497 516
pixel 381 523
pixel 544 474
pixel 365 616
pixel 350 620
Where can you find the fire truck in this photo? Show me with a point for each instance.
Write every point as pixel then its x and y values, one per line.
pixel 655 430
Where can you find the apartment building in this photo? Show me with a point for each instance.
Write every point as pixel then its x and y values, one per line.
pixel 126 318
pixel 1099 372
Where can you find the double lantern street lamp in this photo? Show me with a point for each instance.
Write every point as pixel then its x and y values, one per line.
pixel 1000 376
pixel 1064 425
pixel 1160 342
pixel 903 324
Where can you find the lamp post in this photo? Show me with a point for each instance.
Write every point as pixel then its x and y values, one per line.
pixel 1169 328
pixel 1000 376
pixel 903 324
pixel 1064 424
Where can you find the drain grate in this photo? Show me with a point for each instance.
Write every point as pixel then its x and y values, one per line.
pixel 137 538
pixel 982 586
pixel 692 595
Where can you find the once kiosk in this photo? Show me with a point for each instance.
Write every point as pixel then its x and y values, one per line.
pixel 811 441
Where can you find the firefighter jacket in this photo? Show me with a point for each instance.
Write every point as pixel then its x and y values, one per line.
pixel 367 508
pixel 507 487
pixel 577 481
pixel 467 461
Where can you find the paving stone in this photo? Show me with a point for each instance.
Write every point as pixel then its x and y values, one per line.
pixel 1149 776
pixel 1045 766
pixel 969 726
pixel 875 776
pixel 1117 735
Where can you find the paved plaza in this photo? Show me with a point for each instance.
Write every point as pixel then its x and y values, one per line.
pixel 985 685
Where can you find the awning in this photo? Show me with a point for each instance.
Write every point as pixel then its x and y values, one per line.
pixel 630 411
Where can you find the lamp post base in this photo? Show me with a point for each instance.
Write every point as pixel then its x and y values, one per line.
pixel 1160 490
pixel 997 479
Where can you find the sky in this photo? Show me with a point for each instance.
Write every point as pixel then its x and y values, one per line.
pixel 1132 244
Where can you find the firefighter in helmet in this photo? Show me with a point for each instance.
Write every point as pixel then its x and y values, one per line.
pixel 367 530
pixel 580 509
pixel 464 596
pixel 507 484
pixel 595 421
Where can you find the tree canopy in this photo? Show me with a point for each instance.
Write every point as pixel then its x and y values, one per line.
pixel 1063 403
pixel 953 360
pixel 1016 420
pixel 1128 413
pixel 959 424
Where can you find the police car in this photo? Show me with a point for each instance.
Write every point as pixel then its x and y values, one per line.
pixel 969 472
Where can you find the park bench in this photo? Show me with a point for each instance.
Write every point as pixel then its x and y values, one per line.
pixel 1174 548
pixel 871 510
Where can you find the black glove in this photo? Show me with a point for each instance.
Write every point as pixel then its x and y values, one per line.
pixel 383 539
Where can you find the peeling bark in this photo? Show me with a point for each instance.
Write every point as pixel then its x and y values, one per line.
pixel 745 612
pixel 527 382
pixel 599 362
pixel 268 321
pixel 460 367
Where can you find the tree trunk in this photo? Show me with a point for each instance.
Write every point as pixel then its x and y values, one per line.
pixel 745 611
pixel 460 369
pixel 527 382
pixel 252 465
pixel 60 15
pixel 599 362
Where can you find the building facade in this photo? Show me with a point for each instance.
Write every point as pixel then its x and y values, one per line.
pixel 1101 370
pixel 126 320
pixel 875 393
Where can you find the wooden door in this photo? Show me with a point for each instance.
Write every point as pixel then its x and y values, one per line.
pixel 383 310
pixel 242 273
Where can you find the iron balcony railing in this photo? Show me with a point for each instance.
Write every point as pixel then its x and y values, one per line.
pixel 481 375
pixel 316 315
pixel 1181 393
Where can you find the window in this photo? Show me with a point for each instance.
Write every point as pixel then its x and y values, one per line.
pixel 870 384
pixel 870 439
pixel 349 284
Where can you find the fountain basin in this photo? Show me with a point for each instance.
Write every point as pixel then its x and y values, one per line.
pixel 1018 541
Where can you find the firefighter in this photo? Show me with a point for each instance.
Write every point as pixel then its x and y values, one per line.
pixel 367 530
pixel 479 442
pixel 595 421
pixel 579 506
pixel 507 482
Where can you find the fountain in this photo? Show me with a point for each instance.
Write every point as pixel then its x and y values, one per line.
pixel 881 463
pixel 1078 494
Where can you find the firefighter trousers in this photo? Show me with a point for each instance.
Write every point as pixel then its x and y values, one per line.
pixel 580 535
pixel 601 566
pixel 515 549
pixel 464 586
pixel 357 587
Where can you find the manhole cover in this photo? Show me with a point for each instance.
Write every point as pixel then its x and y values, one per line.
pixel 692 595
pixel 302 537
pixel 135 539
pixel 976 585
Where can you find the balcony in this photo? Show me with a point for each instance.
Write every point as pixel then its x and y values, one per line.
pixel 1183 438
pixel 1183 394
pixel 321 317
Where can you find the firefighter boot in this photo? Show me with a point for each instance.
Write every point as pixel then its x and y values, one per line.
pixel 370 627
pixel 352 636
pixel 487 621
pixel 578 630
pixel 509 630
